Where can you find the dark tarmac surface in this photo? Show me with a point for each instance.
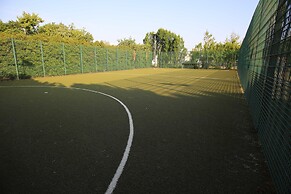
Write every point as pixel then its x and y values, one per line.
pixel 192 134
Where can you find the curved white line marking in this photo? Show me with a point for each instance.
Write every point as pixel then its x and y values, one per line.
pixel 120 168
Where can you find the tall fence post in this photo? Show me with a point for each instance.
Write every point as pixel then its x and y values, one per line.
pixel 117 59
pixel 126 59
pixel 133 58
pixel 15 59
pixel 64 59
pixel 138 57
pixel 146 59
pixel 95 58
pixel 106 59
pixel 81 59
pixel 42 60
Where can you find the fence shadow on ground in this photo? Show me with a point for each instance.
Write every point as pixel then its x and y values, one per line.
pixel 186 139
pixel 189 137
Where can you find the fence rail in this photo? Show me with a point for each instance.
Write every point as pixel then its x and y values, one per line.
pixel 264 69
pixel 22 59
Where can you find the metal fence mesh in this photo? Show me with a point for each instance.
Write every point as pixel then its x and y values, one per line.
pixel 26 58
pixel 264 68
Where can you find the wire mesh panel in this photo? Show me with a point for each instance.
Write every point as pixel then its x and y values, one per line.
pixel 29 60
pixel 141 59
pixel 132 59
pixel 88 59
pixel 102 59
pixel 53 59
pixel 122 59
pixel 7 64
pixel 26 58
pixel 264 69
pixel 170 59
pixel 71 59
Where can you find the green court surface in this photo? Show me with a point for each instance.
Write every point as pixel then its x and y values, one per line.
pixel 192 134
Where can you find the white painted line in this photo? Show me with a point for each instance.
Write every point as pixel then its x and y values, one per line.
pixel 120 168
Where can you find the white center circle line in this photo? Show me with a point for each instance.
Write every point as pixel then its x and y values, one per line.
pixel 123 161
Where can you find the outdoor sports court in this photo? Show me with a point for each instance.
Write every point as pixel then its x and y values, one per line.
pixel 134 131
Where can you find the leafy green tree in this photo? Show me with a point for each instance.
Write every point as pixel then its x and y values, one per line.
pixel 204 53
pixel 168 46
pixel 81 34
pixel 231 49
pixel 216 54
pixel 63 31
pixel 29 23
pixel 10 27
pixel 3 26
pixel 149 41
pixel 62 45
pixel 127 42
pixel 196 54
pixel 209 41
pixel 166 41
pixel 100 43
pixel 208 49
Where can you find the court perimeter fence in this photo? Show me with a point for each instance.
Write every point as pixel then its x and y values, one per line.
pixel 26 58
pixel 264 70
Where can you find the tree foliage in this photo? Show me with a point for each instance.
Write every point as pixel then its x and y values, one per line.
pixel 29 23
pixel 11 27
pixel 127 42
pixel 210 53
pixel 166 41
pixel 58 49
pixel 130 43
pixel 38 58
pixel 168 46
pixel 63 31
pixel 27 27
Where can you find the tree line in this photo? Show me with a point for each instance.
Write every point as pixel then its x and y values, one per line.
pixel 28 27
pixel 31 49
pixel 210 53
pixel 167 47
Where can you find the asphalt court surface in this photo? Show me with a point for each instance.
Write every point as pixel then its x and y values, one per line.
pixel 192 134
pixel 56 140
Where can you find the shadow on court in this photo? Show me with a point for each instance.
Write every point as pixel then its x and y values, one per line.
pixel 191 136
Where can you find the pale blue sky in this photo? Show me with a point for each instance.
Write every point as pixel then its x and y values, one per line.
pixel 111 20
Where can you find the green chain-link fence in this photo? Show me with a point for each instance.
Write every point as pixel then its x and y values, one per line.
pixel 264 68
pixel 170 60
pixel 23 59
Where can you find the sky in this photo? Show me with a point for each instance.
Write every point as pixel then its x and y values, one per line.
pixel 111 20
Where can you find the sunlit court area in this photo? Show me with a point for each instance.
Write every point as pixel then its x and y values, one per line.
pixel 128 105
